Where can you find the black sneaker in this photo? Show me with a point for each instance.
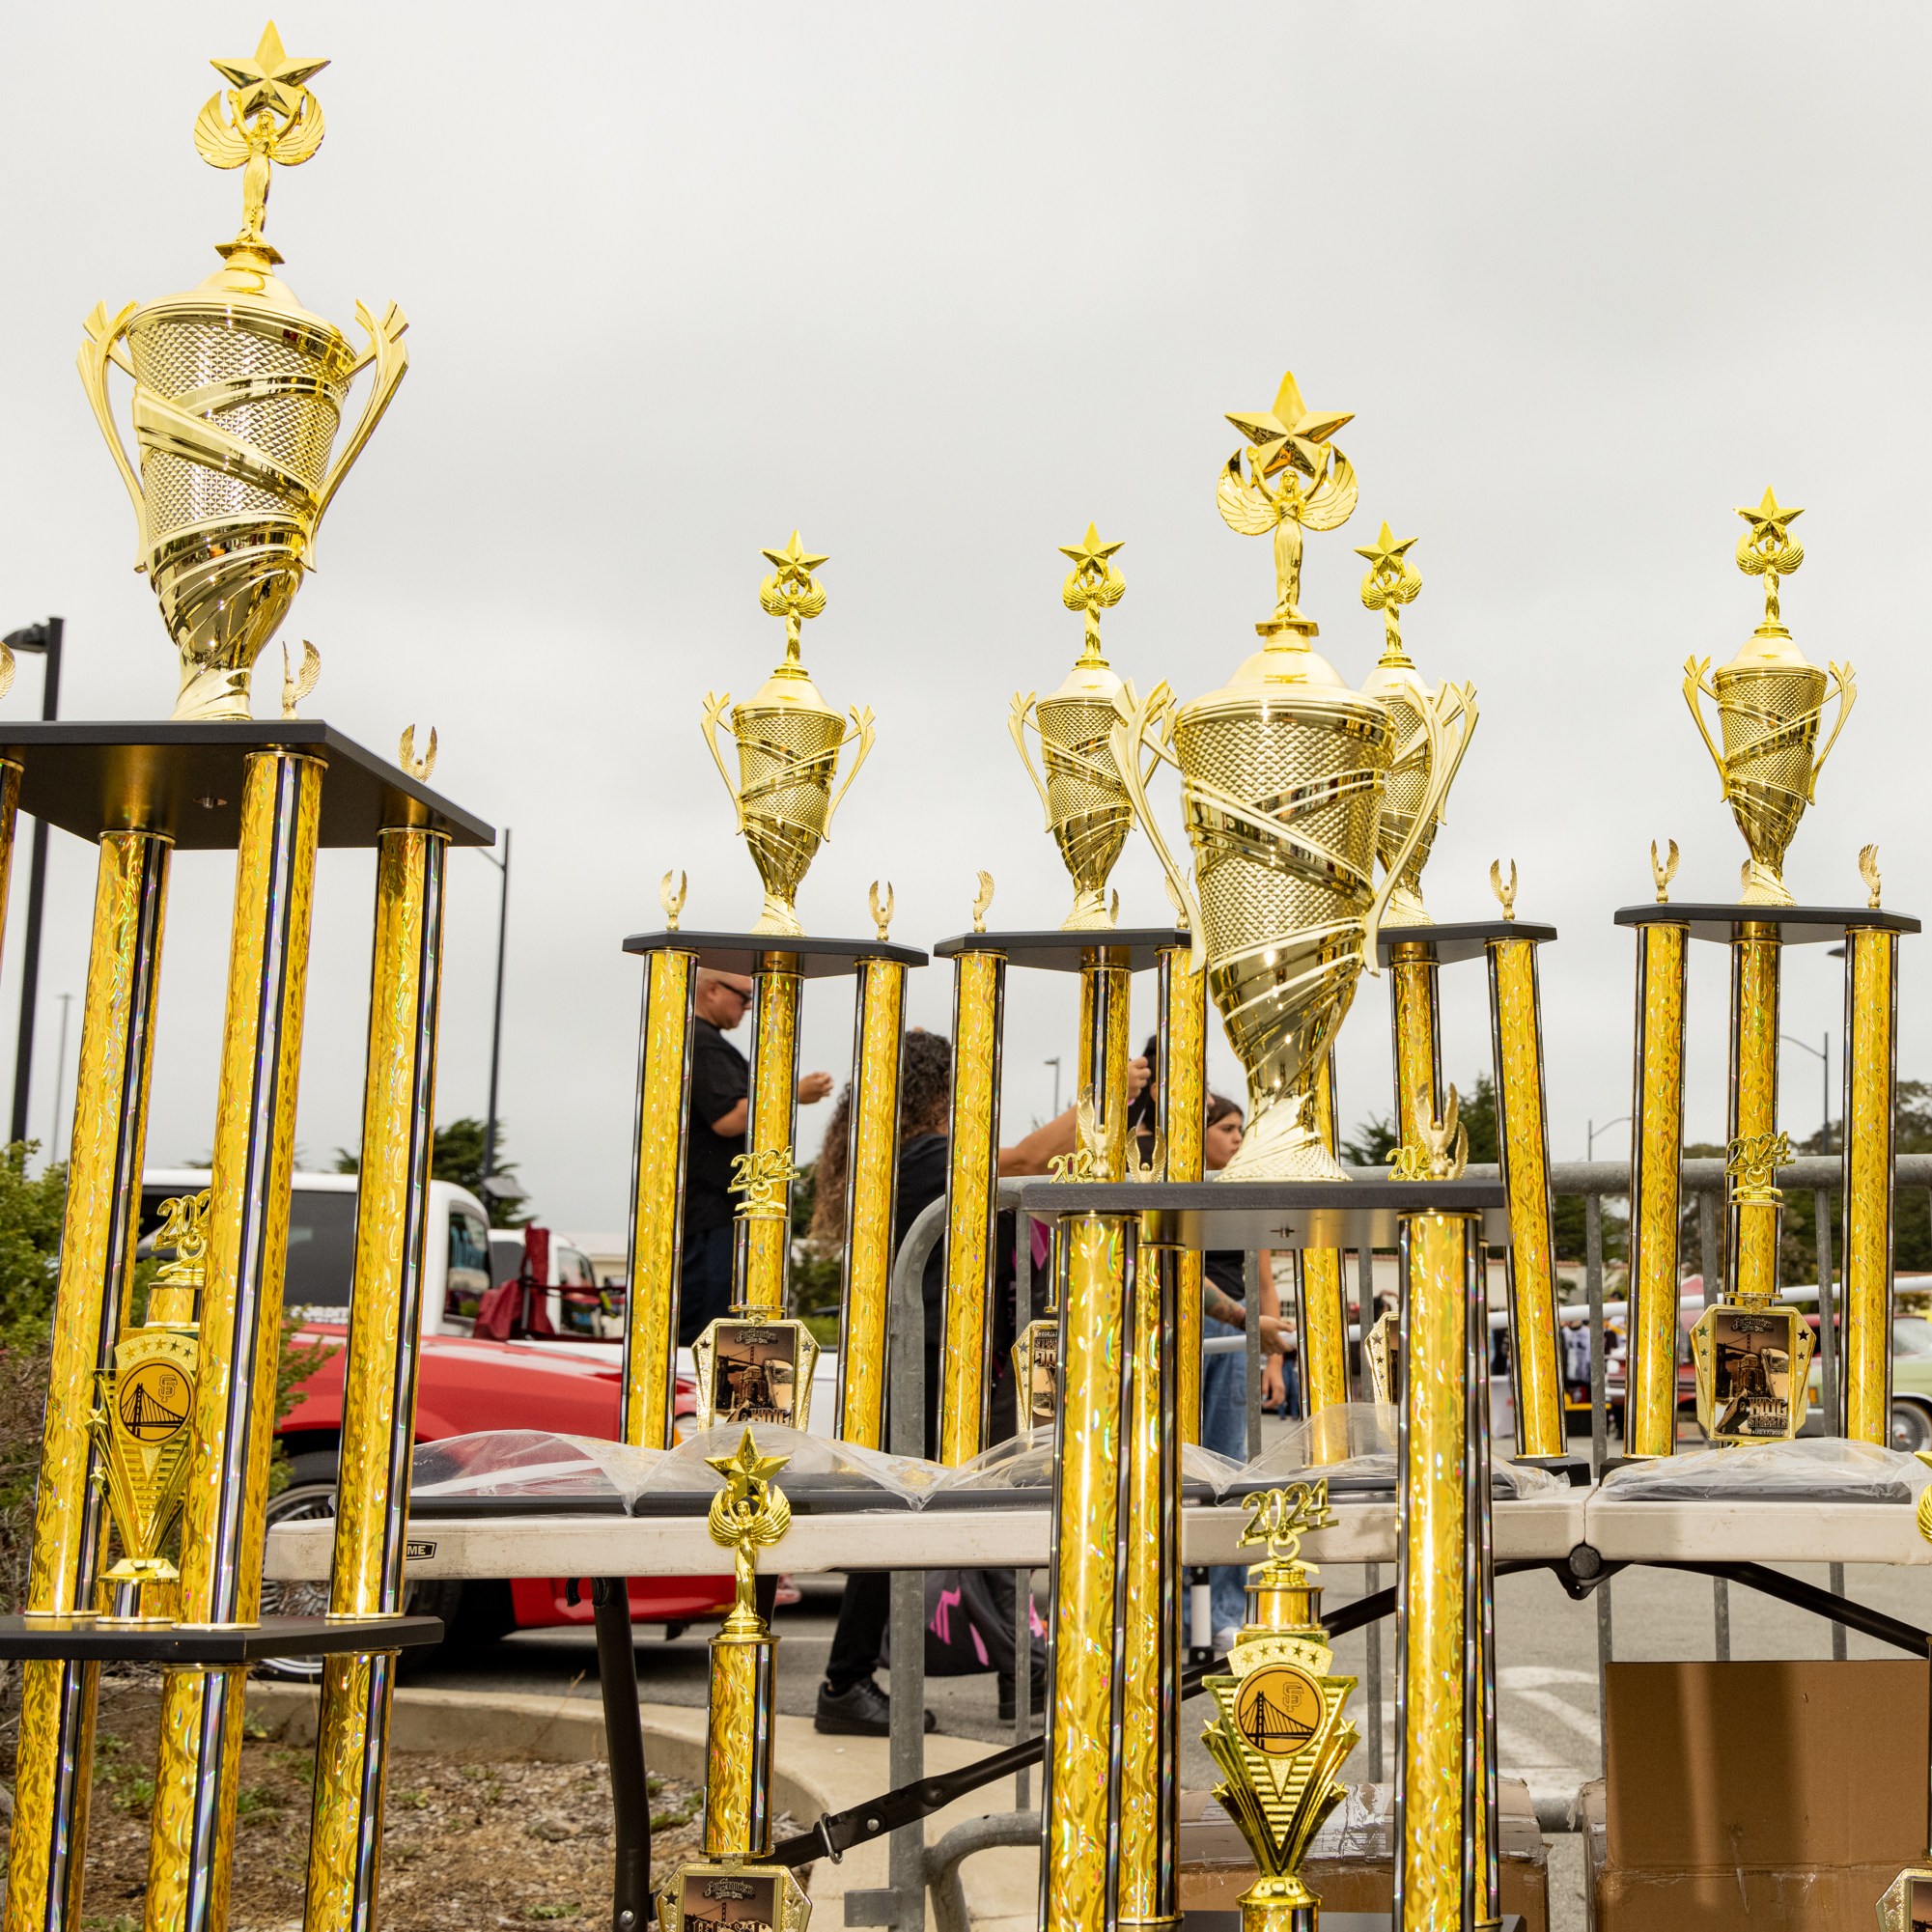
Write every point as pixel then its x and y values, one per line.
pixel 861 1710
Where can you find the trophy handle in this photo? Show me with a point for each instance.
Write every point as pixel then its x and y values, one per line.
pixel 392 361
pixel 1457 702
pixel 1441 772
pixel 103 347
pixel 1015 723
pixel 1844 682
pixel 1148 724
pixel 713 711
pixel 1696 679
pixel 863 720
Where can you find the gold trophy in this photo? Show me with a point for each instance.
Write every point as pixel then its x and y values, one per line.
pixel 1081 794
pixel 729 1886
pixel 1392 581
pixel 143 1428
pixel 1279 1734
pixel 1771 701
pixel 1282 777
pixel 1753 1357
pixel 237 394
pixel 789 741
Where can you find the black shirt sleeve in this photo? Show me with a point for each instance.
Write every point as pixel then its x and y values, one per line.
pixel 720 1077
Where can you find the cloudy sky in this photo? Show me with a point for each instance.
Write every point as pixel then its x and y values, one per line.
pixel 937 286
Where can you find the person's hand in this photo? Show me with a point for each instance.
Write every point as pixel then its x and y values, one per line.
pixel 813 1087
pixel 1276 1339
pixel 1273 1394
pixel 1139 1073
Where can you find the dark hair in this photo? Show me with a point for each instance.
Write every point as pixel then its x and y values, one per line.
pixel 925 1105
pixel 1219 1106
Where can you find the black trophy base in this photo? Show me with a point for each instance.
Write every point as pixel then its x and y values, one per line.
pixel 53 1640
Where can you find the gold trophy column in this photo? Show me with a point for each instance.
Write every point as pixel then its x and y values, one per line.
pixel 194 1820
pixel 1321 1303
pixel 871 1190
pixel 1871 1094
pixel 1183 1099
pixel 1656 1166
pixel 1105 981
pixel 55 1755
pixel 1523 1144
pixel 1083 1716
pixel 973 1213
pixel 1149 1722
pixel 657 1195
pixel 1445 1852
pixel 1751 1252
pixel 385 1314
pixel 763 1241
pixel 1414 1016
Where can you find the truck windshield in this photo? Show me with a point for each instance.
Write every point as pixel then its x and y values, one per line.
pixel 321 1252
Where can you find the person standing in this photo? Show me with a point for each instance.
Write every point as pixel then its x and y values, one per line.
pixel 719 1113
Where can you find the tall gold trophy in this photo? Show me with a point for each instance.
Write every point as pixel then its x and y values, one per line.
pixel 732 1884
pixel 1282 775
pixel 1280 1732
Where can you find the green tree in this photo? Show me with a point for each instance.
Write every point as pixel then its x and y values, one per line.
pixel 455 1155
pixel 816 1278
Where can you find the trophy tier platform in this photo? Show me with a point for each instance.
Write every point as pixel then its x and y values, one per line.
pixel 760 952
pixel 185 780
pixel 1138 948
pixel 1797 925
pixel 1465 939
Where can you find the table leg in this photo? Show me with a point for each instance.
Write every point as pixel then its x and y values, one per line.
pixel 623 1745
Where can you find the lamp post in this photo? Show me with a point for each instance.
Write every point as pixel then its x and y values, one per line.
pixel 497 1022
pixel 45 638
pixel 1591 1129
pixel 1054 1063
pixel 1824 1056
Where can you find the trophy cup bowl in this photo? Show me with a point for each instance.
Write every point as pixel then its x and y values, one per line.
pixel 789 741
pixel 239 394
pixel 1410 782
pixel 1282 775
pixel 1085 801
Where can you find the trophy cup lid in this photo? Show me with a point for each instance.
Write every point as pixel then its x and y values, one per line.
pixel 791 592
pixel 1768 550
pixel 269 117
pixel 1094 584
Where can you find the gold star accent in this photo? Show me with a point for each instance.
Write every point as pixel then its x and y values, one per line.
pixel 793 561
pixel 1290 432
pixel 1769 519
pixel 746 1471
pixel 1386 554
pixel 271 79
pixel 1092 554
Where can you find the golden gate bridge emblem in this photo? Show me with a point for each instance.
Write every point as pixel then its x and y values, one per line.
pixel 1277 1710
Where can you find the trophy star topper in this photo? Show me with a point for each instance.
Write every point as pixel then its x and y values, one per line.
pixel 1295 480
pixel 1093 585
pixel 1392 581
pixel 272 117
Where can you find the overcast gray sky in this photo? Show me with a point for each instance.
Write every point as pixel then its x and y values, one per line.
pixel 937 286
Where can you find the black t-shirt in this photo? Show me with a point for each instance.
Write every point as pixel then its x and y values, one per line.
pixel 923 1163
pixel 721 1077
pixel 1227 1269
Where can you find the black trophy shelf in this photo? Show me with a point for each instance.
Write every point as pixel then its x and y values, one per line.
pixel 1466 940
pixel 753 952
pixel 185 780
pixel 52 1640
pixel 1797 925
pixel 1136 947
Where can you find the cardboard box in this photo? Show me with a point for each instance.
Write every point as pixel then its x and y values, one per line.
pixel 1351 1866
pixel 1780 1793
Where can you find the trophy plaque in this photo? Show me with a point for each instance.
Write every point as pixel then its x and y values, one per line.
pixel 1907 1904
pixel 1281 1734
pixel 754 1371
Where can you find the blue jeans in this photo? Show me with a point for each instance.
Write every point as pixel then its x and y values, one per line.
pixel 1224 1430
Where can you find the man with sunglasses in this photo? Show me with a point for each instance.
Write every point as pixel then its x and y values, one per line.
pixel 721 1108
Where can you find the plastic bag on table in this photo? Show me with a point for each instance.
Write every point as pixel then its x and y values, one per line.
pixel 536 1467
pixel 1815 1469
pixel 1354 1445
pixel 1021 1470
pixel 820 1474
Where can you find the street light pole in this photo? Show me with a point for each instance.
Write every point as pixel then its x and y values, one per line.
pixel 1054 1063
pixel 496 1024
pixel 1824 1056
pixel 59 1070
pixel 1591 1129
pixel 45 638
